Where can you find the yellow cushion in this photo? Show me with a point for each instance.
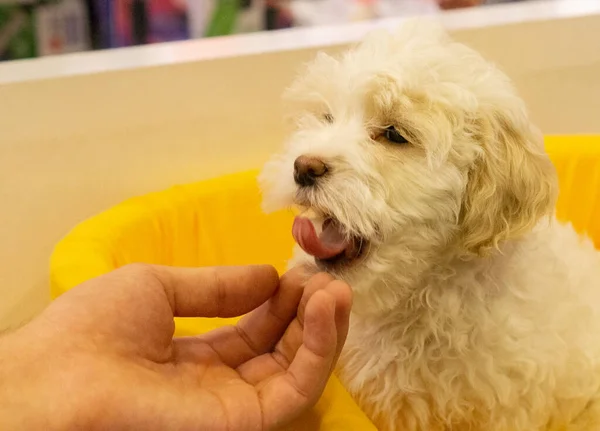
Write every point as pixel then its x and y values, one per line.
pixel 219 222
pixel 577 161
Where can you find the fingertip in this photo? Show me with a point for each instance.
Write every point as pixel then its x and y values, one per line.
pixel 321 279
pixel 317 282
pixel 265 277
pixel 298 276
pixel 294 278
pixel 268 271
pixel 321 302
pixel 342 292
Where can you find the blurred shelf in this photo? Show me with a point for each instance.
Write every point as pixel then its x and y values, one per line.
pixel 283 40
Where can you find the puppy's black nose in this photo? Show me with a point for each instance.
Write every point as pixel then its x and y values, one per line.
pixel 307 169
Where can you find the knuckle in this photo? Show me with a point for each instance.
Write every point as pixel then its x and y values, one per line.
pixel 139 271
pixel 137 268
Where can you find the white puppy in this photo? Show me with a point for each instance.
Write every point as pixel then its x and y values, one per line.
pixel 423 184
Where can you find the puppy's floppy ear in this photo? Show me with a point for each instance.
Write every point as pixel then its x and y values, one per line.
pixel 512 185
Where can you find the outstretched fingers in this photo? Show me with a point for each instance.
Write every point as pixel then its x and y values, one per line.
pixel 287 394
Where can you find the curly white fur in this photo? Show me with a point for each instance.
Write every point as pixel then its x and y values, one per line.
pixel 474 309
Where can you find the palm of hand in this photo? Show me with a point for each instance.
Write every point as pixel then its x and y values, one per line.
pixel 256 375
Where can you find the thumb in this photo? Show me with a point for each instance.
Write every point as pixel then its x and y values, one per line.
pixel 217 291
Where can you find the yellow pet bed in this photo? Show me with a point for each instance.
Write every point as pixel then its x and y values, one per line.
pixel 219 222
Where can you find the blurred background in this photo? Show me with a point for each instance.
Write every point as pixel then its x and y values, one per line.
pixel 35 28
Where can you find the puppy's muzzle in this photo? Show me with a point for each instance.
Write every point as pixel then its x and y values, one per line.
pixel 307 170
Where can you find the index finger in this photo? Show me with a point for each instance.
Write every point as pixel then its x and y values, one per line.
pixel 217 291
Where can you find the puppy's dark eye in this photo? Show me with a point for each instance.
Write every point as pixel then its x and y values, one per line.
pixel 328 118
pixel 392 135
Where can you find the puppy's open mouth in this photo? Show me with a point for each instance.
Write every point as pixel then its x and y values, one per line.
pixel 331 246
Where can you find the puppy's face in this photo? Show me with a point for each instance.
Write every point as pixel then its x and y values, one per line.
pixel 408 139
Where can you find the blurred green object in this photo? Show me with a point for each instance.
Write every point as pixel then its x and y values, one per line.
pixel 224 18
pixel 17 33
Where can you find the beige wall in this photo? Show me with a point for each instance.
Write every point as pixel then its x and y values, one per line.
pixel 72 146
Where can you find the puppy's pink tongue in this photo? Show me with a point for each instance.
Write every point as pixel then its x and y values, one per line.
pixel 330 243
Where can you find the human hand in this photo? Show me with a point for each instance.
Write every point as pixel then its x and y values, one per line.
pixel 103 356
